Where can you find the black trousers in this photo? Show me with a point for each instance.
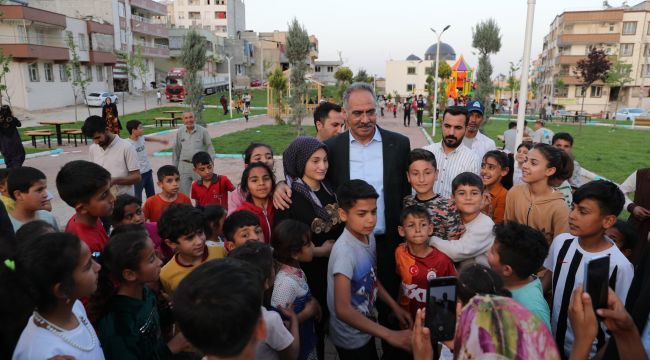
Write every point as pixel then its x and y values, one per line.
pixel 419 115
pixel 407 116
pixel 366 352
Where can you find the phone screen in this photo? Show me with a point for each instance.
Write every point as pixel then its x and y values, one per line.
pixel 441 308
pixel 597 281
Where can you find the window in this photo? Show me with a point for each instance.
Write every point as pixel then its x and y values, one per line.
pixel 645 70
pixel 646 49
pixel 100 72
pixel 121 9
pixel 194 15
pixel 317 68
pixel 410 87
pixel 564 69
pixel 596 91
pixel 410 71
pixel 648 31
pixel 63 76
pixel 33 72
pixel 580 91
pixel 629 27
pixel 219 14
pixel 89 73
pixel 561 92
pixel 193 2
pixel 627 49
pixel 49 72
pixel 330 69
pixel 82 42
pixel 76 73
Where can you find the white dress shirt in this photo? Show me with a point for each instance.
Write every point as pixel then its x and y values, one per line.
pixel 628 186
pixel 480 144
pixel 450 165
pixel 367 163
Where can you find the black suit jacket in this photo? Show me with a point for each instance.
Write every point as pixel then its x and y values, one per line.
pixel 396 148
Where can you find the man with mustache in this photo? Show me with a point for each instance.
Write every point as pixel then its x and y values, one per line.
pixel 451 155
pixel 477 142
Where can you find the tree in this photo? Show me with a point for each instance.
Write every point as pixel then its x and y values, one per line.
pixel 595 67
pixel 139 68
pixel 486 38
pixel 5 60
pixel 79 81
pixel 362 76
pixel 618 76
pixel 297 49
pixel 343 78
pixel 193 58
pixel 278 82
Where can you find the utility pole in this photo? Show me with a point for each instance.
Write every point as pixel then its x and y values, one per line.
pixel 435 80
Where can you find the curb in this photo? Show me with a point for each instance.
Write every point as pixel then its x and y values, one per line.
pixel 39 154
pixel 426 135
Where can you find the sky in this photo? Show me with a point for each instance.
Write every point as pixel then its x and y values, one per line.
pixel 368 33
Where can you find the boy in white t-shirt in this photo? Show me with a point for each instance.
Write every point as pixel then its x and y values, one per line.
pixel 596 206
pixel 136 137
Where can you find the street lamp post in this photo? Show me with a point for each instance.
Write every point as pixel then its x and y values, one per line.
pixel 523 92
pixel 435 80
pixel 229 87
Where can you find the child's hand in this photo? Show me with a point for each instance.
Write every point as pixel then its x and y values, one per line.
pixel 421 339
pixel 404 318
pixel 178 343
pixel 583 322
pixel 288 313
pixel 325 249
pixel 616 318
pixel 401 339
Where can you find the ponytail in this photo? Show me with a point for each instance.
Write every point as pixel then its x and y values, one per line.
pixel 557 159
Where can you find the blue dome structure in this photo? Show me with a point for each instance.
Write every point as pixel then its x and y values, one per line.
pixel 446 52
pixel 413 58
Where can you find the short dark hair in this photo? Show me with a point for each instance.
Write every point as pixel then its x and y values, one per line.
pixel 466 178
pixel 457 110
pixel 247 171
pixel 527 145
pixel 22 178
pixel 477 279
pixel 180 220
pixel 421 154
pixel 94 124
pixel 132 125
pixel 4 174
pixel 322 111
pixel 630 236
pixel 34 229
pixel 352 190
pixel 78 181
pixel 201 158
pixel 563 136
pixel 166 170
pixel 257 254
pixel 218 306
pixel 212 213
pixel 237 220
pixel 248 152
pixel 512 124
pixel 288 238
pixel 121 201
pixel 417 211
pixel 609 197
pixel 521 247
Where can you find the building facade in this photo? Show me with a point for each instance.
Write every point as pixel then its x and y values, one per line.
pixel 36 40
pixel 624 34
pixel 224 18
pixel 324 71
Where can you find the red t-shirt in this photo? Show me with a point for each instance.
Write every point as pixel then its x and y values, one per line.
pixel 215 194
pixel 94 236
pixel 155 206
pixel 415 273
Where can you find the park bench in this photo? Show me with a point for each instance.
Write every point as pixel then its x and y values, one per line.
pixel 642 121
pixel 46 134
pixel 74 133
pixel 170 120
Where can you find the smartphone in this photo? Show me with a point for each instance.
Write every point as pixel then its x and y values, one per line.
pixel 441 308
pixel 597 280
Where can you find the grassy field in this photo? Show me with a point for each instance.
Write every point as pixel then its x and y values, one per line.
pixel 278 136
pixel 258 98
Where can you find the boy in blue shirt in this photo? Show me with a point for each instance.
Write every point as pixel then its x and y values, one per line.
pixel 352 285
pixel 517 253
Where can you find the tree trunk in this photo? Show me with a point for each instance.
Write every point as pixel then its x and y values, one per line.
pixel 618 98
pixel 75 107
pixel 144 92
pixel 582 107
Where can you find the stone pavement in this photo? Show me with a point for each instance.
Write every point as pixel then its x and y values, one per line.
pixel 230 167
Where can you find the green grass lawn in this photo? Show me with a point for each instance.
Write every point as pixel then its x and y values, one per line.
pixel 278 136
pixel 258 96
pixel 41 147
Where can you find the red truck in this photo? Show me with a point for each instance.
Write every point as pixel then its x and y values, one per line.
pixel 175 91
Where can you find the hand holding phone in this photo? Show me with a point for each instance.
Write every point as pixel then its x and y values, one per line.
pixel 596 280
pixel 441 308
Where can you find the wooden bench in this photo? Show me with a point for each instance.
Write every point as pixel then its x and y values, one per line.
pixel 642 121
pixel 161 120
pixel 74 133
pixel 46 134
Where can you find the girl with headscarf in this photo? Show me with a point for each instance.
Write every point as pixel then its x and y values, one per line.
pixel 313 202
pixel 11 146
pixel 110 115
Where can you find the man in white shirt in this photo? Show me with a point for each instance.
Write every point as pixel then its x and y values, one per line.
pixel 510 138
pixel 451 155
pixel 477 142
pixel 114 154
pixel 542 135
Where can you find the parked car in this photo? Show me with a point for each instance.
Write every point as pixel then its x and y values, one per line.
pixel 256 83
pixel 99 99
pixel 628 113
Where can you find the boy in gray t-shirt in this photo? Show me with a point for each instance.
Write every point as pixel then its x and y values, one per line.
pixel 352 285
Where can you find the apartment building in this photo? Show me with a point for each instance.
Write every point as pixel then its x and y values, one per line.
pixel 137 24
pixel 623 32
pixel 224 18
pixel 35 39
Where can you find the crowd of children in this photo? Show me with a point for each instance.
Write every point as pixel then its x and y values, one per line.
pixel 222 274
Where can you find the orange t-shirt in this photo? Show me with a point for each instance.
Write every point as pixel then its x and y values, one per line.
pixel 155 205
pixel 497 207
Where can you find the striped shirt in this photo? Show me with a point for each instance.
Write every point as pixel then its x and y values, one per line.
pixel 566 259
pixel 460 160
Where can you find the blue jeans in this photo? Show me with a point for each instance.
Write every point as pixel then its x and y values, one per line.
pixel 146 183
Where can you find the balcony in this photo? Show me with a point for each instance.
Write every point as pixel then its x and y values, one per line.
pixel 153 50
pixel 593 16
pixel 95 27
pixel 102 57
pixel 34 48
pixel 573 59
pixel 144 26
pixel 36 16
pixel 575 80
pixel 150 6
pixel 588 38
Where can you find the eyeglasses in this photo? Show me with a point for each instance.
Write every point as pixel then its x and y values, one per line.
pixel 359 113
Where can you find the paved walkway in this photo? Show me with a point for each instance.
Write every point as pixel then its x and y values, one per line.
pixel 232 168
